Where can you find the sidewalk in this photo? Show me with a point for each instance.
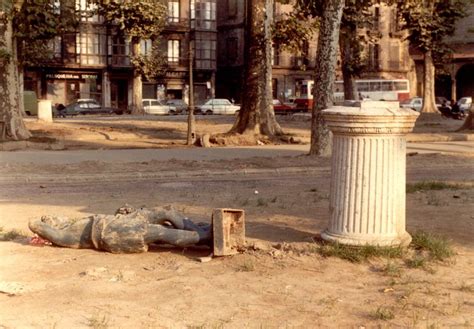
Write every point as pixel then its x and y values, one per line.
pixel 200 154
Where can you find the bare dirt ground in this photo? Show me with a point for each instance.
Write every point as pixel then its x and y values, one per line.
pixel 279 282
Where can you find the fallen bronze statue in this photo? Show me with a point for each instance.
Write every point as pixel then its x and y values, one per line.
pixel 130 230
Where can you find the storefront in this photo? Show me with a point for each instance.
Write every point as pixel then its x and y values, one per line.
pixel 64 87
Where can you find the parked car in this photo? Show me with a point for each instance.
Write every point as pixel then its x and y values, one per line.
pixel 30 102
pixel 181 106
pixel 464 104
pixel 218 106
pixel 415 103
pixel 86 106
pixel 154 106
pixel 280 108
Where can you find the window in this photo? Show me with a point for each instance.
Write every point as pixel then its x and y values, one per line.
pixel 275 56
pixel 394 23
pixel 231 49
pixel 146 47
pixel 55 45
pixel 119 48
pixel 173 51
pixel 203 14
pixel 173 11
pixel 373 58
pixel 376 18
pixel 401 85
pixel 231 8
pixel 205 50
pixel 90 48
pixel 87 10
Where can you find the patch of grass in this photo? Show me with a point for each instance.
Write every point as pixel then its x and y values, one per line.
pixel 98 322
pixel 247 266
pixel 358 254
pixel 418 261
pixel 383 313
pixel 10 235
pixel 438 247
pixel 431 185
pixel 392 269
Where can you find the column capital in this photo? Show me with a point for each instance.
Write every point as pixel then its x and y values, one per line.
pixel 370 117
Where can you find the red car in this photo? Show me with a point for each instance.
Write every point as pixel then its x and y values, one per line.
pixel 280 108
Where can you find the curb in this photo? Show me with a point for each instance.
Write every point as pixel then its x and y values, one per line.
pixel 141 176
pixel 441 137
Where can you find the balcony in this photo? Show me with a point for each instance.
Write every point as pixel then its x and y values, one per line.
pixel 119 60
pixel 176 24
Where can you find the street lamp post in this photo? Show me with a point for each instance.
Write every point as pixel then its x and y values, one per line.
pixel 191 138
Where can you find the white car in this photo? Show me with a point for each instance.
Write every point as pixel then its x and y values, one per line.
pixel 415 103
pixel 218 106
pixel 154 106
pixel 464 104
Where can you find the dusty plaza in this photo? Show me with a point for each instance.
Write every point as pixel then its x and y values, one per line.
pixel 284 278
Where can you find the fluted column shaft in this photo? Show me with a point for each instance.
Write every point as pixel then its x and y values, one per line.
pixel 367 198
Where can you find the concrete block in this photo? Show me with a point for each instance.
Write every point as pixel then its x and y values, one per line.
pixel 228 228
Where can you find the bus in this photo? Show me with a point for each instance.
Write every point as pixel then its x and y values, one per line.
pixel 373 89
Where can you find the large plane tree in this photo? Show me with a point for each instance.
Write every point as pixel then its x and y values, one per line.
pixel 137 20
pixel 256 116
pixel 428 23
pixel 25 30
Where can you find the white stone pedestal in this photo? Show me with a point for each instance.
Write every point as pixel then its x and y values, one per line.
pixel 45 112
pixel 367 199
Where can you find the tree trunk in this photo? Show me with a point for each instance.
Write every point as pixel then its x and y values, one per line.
pixel 256 114
pixel 345 44
pixel 324 75
pixel 429 102
pixel 137 107
pixel 11 97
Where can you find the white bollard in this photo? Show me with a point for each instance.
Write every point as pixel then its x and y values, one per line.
pixel 368 175
pixel 45 112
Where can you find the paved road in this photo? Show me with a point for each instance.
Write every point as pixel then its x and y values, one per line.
pixel 197 154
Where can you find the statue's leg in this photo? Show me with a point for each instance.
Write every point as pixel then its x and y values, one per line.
pixel 176 237
pixel 64 232
pixel 204 231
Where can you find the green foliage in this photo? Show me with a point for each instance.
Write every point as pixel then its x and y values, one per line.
pixel 358 254
pixel 428 22
pixel 292 30
pixel 36 22
pixel 383 313
pixel 5 56
pixel 143 19
pixel 151 66
pixel 432 185
pixel 438 247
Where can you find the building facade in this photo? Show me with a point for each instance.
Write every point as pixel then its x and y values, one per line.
pixel 94 61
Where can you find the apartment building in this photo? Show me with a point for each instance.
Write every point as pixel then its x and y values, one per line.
pixel 456 79
pixel 94 61
pixel 387 58
pixel 289 70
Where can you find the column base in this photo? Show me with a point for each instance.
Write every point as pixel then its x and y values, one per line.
pixel 402 240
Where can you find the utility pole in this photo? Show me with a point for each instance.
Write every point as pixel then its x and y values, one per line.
pixel 191 120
